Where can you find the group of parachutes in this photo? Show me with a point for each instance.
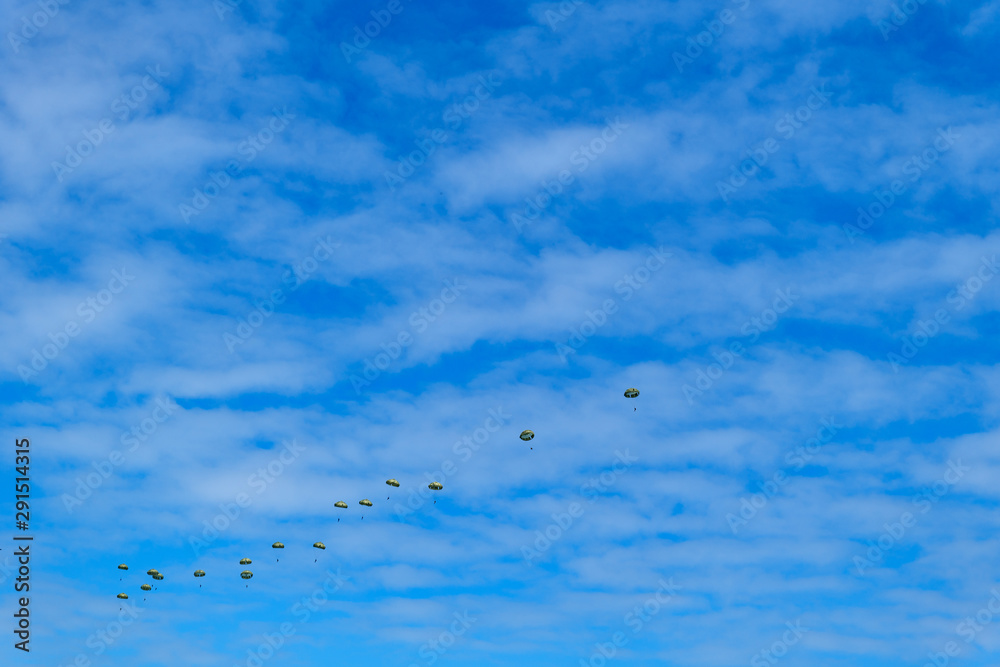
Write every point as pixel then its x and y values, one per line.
pixel 526 435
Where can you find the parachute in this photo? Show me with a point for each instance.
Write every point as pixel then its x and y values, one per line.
pixel 435 486
pixel 527 435
pixel 341 504
pixel 318 545
pixel 146 587
pixel 122 596
pixel 391 482
pixel 151 572
pixel 245 561
pixel 246 574
pixel 366 503
pixel 277 545
pixel 199 573
pixel 123 566
pixel 158 577
pixel 631 392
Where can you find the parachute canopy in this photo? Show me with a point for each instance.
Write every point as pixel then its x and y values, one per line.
pixel 366 503
pixel 158 577
pixel 245 561
pixel 392 482
pixel 341 504
pixel 319 545
pixel 631 392
pixel 123 566
pixel 527 435
pixel 435 485
pixel 151 572
pixel 246 574
pixel 146 587
pixel 199 573
pixel 122 596
pixel 277 545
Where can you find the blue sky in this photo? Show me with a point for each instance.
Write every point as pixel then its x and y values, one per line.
pixel 257 262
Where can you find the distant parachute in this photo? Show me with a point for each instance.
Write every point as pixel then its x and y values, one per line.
pixel 199 573
pixel 123 566
pixel 246 574
pixel 146 587
pixel 527 435
pixel 245 561
pixel 435 486
pixel 341 504
pixel 277 545
pixel 391 482
pixel 318 545
pixel 366 503
pixel 122 596
pixel 158 577
pixel 151 572
pixel 631 392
